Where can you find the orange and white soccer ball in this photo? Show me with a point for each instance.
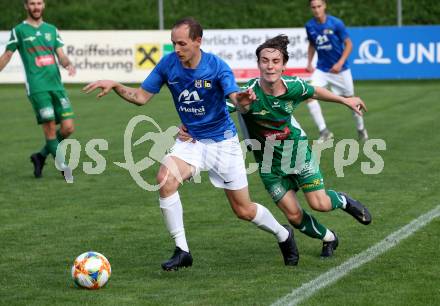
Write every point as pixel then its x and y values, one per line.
pixel 91 270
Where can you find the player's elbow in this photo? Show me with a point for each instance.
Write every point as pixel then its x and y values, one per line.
pixel 348 44
pixel 5 58
pixel 140 102
pixel 142 97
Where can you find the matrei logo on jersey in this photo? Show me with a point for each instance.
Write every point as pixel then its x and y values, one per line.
pixel 322 43
pixel 187 97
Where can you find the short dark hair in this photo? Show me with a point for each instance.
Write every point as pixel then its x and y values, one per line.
pixel 279 43
pixel 195 28
pixel 26 1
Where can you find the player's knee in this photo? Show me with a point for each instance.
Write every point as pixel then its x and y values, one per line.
pixel 162 176
pixel 68 130
pixel 294 217
pixel 244 215
pixel 49 129
pixel 244 212
pixel 166 180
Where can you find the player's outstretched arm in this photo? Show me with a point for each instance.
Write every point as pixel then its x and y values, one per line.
pixel 65 62
pixel 5 58
pixel 355 103
pixel 243 99
pixel 136 96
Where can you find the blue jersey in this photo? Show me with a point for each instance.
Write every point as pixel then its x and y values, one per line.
pixel 328 40
pixel 199 94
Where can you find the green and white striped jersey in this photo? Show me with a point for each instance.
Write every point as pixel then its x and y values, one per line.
pixel 37 47
pixel 271 117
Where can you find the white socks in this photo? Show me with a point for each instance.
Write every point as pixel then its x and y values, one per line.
pixel 343 200
pixel 329 236
pixel 316 112
pixel 359 121
pixel 266 221
pixel 173 215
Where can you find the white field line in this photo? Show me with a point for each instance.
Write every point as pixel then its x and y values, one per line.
pixel 308 289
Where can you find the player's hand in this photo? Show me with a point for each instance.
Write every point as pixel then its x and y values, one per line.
pixel 356 104
pixel 336 68
pixel 105 85
pixel 183 134
pixel 71 70
pixel 310 68
pixel 245 98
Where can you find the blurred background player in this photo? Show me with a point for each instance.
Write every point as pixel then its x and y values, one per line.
pixel 199 83
pixel 38 43
pixel 328 37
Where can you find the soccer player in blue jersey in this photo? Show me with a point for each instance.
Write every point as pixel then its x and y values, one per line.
pixel 199 83
pixel 329 38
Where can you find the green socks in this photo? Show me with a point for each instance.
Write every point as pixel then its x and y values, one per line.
pixel 45 151
pixel 311 227
pixel 51 146
pixel 338 201
pixel 59 136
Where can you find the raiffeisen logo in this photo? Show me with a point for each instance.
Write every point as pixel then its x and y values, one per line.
pixel 366 56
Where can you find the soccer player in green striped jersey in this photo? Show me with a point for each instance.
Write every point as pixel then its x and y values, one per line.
pixel 269 120
pixel 38 44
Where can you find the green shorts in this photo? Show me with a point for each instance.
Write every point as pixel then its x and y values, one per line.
pixel 51 105
pixel 278 185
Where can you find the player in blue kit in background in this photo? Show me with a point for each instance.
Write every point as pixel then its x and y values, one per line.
pixel 328 36
pixel 199 83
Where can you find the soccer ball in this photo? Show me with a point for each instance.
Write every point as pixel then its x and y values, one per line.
pixel 91 270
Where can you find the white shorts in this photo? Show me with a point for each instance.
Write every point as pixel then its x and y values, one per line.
pixel 339 83
pixel 223 160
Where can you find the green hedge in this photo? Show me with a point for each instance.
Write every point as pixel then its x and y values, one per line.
pixel 220 14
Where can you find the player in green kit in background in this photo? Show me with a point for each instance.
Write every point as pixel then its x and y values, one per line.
pixel 38 44
pixel 269 120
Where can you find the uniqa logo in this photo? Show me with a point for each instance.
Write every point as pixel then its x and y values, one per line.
pixel 366 57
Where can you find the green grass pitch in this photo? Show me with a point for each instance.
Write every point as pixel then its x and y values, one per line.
pixel 46 223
